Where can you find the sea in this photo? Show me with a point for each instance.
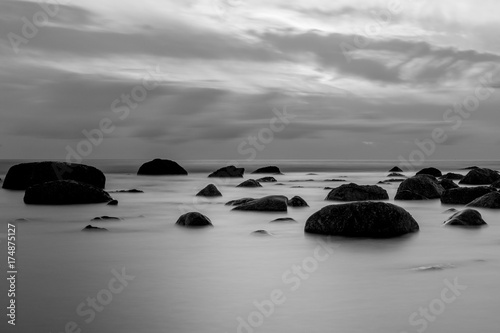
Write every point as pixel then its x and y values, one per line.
pixel 146 274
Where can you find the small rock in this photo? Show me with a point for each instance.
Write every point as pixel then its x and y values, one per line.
pixel 467 217
pixel 267 180
pixel 297 201
pixel 284 219
pixel 105 217
pixel 395 174
pixel 269 169
pixel 250 183
pixel 396 169
pixel 92 228
pixel 113 202
pixel 261 233
pixel 273 203
pixel 228 172
pixel 194 219
pixel 209 191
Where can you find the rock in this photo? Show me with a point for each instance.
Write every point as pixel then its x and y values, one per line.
pixel 301 180
pixel 267 180
pixel 453 176
pixel 354 192
pixel 64 192
pixel 464 195
pixel 228 172
pixel 279 184
pixel 392 180
pixel 92 228
pixel 447 184
pixel 269 169
pixel 250 183
pixel 467 218
pixel 334 180
pixel 261 233
pixel 239 201
pixel 430 171
pixel 297 201
pixel 496 184
pixel 421 187
pixel 158 167
pixel 105 218
pixel 113 203
pixel 193 219
pixel 490 200
pixel 273 203
pixel 209 191
pixel 395 174
pixel 396 169
pixel 284 219
pixel 24 175
pixel 470 168
pixel 362 219
pixel 127 191
pixel 480 177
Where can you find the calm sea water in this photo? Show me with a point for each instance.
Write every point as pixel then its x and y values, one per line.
pixel 223 279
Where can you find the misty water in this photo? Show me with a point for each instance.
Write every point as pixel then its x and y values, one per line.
pixel 215 279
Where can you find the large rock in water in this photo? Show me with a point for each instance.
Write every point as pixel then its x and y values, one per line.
pixel 193 219
pixel 421 187
pixel 430 171
pixel 64 192
pixel 209 191
pixel 158 167
pixel 273 203
pixel 228 172
pixel 250 183
pixel 467 218
pixel 362 219
pixel 480 177
pixel 354 192
pixel 269 169
pixel 24 175
pixel 490 200
pixel 464 195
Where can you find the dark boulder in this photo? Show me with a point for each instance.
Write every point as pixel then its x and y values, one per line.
pixel 354 192
pixel 209 191
pixel 396 169
pixel 421 187
pixel 453 176
pixel 228 172
pixel 24 175
pixel 64 192
pixel 273 203
pixel 92 228
pixel 464 195
pixel 105 218
pixel 269 169
pixel 480 177
pixel 430 171
pixel 267 180
pixel 362 219
pixel 158 167
pixel 250 183
pixel 297 201
pixel 490 200
pixel 448 184
pixel 193 219
pixel 466 218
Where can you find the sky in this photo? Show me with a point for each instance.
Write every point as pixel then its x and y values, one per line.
pixel 250 80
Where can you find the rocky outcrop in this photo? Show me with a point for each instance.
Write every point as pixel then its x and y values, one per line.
pixel 228 172
pixel 464 195
pixel 159 167
pixel 354 192
pixel 209 191
pixel 269 169
pixel 421 187
pixel 64 192
pixel 466 218
pixel 273 203
pixel 362 219
pixel 193 219
pixel 24 175
pixel 267 180
pixel 430 171
pixel 250 183
pixel 480 177
pixel 297 201
pixel 490 200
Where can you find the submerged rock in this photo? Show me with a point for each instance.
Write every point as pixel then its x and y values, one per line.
pixel 273 203
pixel 354 192
pixel 490 200
pixel 421 187
pixel 65 192
pixel 24 175
pixel 467 217
pixel 362 219
pixel 430 171
pixel 228 172
pixel 464 195
pixel 158 167
pixel 193 219
pixel 92 228
pixel 250 183
pixel 269 169
pixel 209 191
pixel 297 201
pixel 267 180
pixel 480 177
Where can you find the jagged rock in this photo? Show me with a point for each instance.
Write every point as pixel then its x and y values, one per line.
pixel 297 201
pixel 250 183
pixel 430 171
pixel 269 169
pixel 193 219
pixel 480 177
pixel 158 167
pixel 421 187
pixel 228 172
pixel 64 192
pixel 362 219
pixel 354 192
pixel 490 200
pixel 273 203
pixel 267 180
pixel 467 217
pixel 464 195
pixel 209 191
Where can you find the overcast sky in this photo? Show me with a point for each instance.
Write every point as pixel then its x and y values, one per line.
pixel 358 79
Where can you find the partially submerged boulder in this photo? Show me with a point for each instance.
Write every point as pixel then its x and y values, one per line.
pixel 421 187
pixel 193 219
pixel 92 228
pixel 24 175
pixel 209 191
pixel 272 203
pixel 250 183
pixel 430 171
pixel 64 192
pixel 466 218
pixel 267 180
pixel 228 172
pixel 354 192
pixel 269 169
pixel 158 167
pixel 480 176
pixel 297 201
pixel 490 200
pixel 362 219
pixel 464 195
